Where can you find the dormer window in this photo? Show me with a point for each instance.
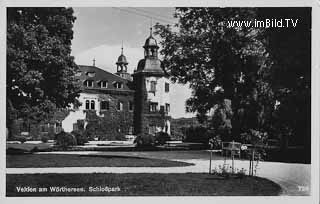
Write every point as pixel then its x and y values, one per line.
pixel 91 74
pixel 103 84
pixel 88 83
pixel 118 85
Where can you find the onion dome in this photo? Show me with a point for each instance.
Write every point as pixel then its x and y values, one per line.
pixel 150 41
pixel 122 59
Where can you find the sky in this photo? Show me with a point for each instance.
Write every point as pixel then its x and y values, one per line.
pixel 100 32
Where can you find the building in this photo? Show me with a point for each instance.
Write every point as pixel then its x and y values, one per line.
pixel 152 87
pixel 119 104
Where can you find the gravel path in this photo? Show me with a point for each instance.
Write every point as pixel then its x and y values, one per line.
pixel 293 178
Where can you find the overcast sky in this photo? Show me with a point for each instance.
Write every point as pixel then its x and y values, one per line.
pixel 99 32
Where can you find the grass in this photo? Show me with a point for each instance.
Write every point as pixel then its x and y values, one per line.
pixel 67 160
pixel 29 147
pixel 189 184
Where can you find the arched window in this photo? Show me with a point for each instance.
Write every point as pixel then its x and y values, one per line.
pixel 87 105
pixel 92 104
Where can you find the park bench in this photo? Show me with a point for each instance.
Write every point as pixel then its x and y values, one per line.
pixel 231 147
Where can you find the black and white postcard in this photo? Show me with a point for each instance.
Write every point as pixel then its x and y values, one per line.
pixel 160 101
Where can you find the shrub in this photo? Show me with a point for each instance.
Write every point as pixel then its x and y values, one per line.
pixel 144 140
pixel 65 140
pixel 197 134
pixel 162 138
pixel 44 139
pixel 20 139
pixel 81 138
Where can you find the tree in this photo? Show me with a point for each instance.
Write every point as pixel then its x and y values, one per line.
pixel 219 62
pixel 264 72
pixel 290 53
pixel 40 69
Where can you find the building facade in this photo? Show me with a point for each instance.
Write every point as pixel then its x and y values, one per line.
pixel 152 87
pixel 122 103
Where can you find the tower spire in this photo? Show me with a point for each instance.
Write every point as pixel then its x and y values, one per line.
pixel 122 47
pixel 150 26
pixel 94 62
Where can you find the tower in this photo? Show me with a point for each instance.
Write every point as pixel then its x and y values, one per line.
pixel 122 69
pixel 152 102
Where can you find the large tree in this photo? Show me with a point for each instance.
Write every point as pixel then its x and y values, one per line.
pixel 40 69
pixel 220 63
pixel 290 73
pixel 263 74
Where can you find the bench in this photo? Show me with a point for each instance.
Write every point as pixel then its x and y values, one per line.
pixel 231 147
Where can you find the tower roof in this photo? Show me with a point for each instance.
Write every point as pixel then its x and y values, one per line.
pixel 151 41
pixel 122 59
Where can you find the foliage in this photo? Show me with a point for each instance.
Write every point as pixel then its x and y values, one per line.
pixel 44 139
pixel 290 53
pixel 161 138
pixel 40 69
pixel 226 171
pixel 81 138
pixel 254 137
pixel 221 121
pixel 65 140
pixel 114 125
pixel 218 62
pixel 20 139
pixel 264 73
pixel 178 126
pixel 197 134
pixel 144 140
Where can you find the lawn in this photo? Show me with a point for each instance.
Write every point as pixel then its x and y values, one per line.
pixel 189 184
pixel 67 160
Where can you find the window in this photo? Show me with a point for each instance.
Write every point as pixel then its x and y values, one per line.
pixel 87 105
pixel 91 74
pixel 167 107
pixel 153 86
pixel 153 107
pixel 88 83
pixel 104 105
pixel 119 106
pixel 166 87
pixel 130 106
pixel 118 85
pixel 92 104
pixel 104 84
pixel 78 74
pixel 152 129
pixel 130 132
pixel 44 127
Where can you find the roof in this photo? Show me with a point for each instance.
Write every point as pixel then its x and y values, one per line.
pixel 150 42
pixel 122 60
pixel 150 65
pixel 97 75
